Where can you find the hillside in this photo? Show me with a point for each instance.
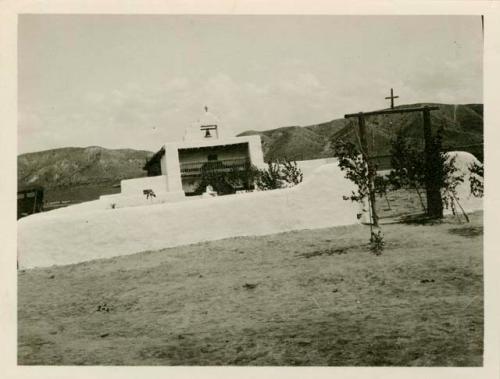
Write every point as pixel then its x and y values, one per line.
pixel 462 125
pixel 75 174
pixel 80 166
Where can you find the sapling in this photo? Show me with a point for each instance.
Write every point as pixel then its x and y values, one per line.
pixel 476 179
pixel 279 174
pixel 445 174
pixel 377 242
pixel 408 167
pixel 381 185
pixel 291 173
pixel 270 178
pixel 409 170
pixel 451 180
pixel 360 172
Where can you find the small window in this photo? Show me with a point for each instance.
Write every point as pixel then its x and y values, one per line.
pixel 30 194
pixel 212 157
pixel 20 195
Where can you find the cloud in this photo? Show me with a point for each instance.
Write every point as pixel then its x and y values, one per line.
pixel 144 116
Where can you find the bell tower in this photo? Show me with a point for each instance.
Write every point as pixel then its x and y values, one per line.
pixel 207 128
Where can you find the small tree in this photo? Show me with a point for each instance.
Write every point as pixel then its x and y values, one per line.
pixel 476 179
pixel 271 178
pixel 445 174
pixel 279 174
pixel 377 243
pixel 358 171
pixel 291 173
pixel 355 168
pixel 381 187
pixel 410 170
pixel 451 180
pixel 242 177
pixel 408 167
pixel 224 179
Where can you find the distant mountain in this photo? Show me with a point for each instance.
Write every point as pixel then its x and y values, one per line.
pixel 72 166
pixel 462 126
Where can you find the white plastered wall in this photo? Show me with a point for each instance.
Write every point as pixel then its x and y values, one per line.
pixel 74 236
pixel 135 187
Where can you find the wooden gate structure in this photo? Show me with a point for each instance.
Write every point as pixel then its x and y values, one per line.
pixel 432 185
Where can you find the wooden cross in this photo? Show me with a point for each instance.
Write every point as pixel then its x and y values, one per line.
pixel 392 97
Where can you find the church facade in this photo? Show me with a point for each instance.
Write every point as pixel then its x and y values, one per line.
pixel 208 151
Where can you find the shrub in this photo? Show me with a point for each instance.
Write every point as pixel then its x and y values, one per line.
pixel 451 180
pixel 270 178
pixel 476 179
pixel 279 174
pixel 408 167
pixel 410 170
pixel 377 243
pixel 358 170
pixel 224 179
pixel 291 173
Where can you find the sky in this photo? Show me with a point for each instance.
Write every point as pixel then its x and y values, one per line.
pixel 137 81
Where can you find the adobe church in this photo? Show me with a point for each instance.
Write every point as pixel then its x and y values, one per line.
pixel 177 169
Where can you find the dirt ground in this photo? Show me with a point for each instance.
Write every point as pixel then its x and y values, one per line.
pixel 314 297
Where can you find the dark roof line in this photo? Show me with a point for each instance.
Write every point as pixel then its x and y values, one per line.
pixel 156 157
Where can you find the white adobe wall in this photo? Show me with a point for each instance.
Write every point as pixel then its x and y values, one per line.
pixel 73 236
pixel 307 167
pixel 132 193
pixel 255 151
pixel 88 231
pixel 135 187
pixel 463 160
pixel 121 201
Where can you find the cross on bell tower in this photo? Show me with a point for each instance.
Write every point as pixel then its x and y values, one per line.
pixel 392 97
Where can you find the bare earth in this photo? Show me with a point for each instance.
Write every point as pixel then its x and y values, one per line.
pixel 314 297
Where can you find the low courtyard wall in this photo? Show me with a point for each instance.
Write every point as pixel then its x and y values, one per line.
pixel 135 187
pixel 94 230
pixel 80 234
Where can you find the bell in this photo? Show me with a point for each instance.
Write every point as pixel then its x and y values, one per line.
pixel 207 133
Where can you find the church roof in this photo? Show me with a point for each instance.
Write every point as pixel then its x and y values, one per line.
pixel 154 159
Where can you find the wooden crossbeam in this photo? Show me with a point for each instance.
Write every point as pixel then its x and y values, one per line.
pixel 208 127
pixel 391 111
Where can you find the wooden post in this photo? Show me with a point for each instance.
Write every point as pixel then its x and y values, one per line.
pixel 371 171
pixel 34 202
pixel 432 178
